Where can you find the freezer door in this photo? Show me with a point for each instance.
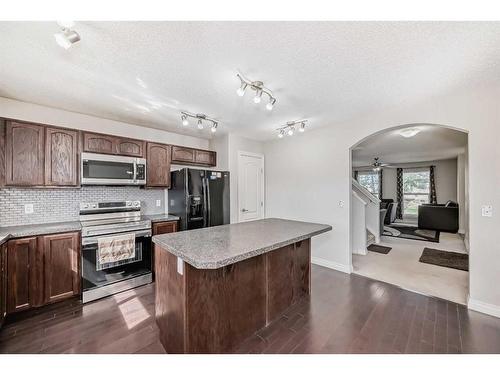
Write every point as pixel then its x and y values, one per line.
pixel 196 199
pixel 217 197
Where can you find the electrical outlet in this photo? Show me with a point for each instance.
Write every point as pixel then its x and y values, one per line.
pixel 487 211
pixel 28 208
pixel 158 203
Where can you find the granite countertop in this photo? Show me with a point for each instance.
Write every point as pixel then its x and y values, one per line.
pixel 37 229
pixel 215 247
pixel 160 217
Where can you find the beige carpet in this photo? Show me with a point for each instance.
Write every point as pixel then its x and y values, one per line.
pixel 401 267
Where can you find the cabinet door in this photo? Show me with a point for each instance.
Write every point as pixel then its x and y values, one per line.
pixel 3 283
pixel 24 154
pixel 99 143
pixel 164 227
pixel 183 154
pixel 61 157
pixel 24 286
pixel 158 165
pixel 60 266
pixel 130 147
pixel 205 157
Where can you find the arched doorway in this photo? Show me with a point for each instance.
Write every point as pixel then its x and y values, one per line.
pixel 402 177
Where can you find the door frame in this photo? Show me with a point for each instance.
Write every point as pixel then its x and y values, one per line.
pixel 262 182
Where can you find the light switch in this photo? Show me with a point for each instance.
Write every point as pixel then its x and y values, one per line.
pixel 487 211
pixel 28 208
pixel 158 203
pixel 341 203
pixel 180 266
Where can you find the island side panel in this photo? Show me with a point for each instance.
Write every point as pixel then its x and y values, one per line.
pixel 289 277
pixel 170 305
pixel 225 305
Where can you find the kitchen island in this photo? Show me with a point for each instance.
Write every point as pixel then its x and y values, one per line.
pixel 216 286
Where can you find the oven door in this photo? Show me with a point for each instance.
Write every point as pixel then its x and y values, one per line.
pixel 96 275
pixel 99 169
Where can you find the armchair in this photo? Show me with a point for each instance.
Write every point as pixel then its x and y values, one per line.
pixel 439 217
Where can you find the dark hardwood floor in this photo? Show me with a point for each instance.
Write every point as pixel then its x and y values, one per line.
pixel 345 314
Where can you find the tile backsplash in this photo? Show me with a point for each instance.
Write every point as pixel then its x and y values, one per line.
pixel 52 205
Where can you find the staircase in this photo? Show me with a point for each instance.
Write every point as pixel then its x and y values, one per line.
pixel 365 219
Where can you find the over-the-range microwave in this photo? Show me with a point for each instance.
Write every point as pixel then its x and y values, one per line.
pixel 102 169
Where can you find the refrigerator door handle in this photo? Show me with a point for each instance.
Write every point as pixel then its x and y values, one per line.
pixel 208 202
pixel 205 213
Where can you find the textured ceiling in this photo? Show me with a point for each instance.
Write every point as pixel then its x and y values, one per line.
pixel 432 143
pixel 146 72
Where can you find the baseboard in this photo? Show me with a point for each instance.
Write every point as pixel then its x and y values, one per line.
pixel 483 307
pixel 333 265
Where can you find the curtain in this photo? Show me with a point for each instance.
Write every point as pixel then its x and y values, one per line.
pixel 432 195
pixel 356 175
pixel 399 192
pixel 380 182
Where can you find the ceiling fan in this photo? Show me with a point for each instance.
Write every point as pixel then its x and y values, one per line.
pixel 377 165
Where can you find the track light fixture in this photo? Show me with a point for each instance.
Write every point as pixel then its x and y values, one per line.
pixel 201 118
pixel 290 126
pixel 66 37
pixel 259 88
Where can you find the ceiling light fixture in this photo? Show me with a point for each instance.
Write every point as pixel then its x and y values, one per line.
pixel 66 37
pixel 259 88
pixel 408 133
pixel 201 118
pixel 289 128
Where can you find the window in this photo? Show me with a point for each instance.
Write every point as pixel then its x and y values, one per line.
pixel 370 180
pixel 416 189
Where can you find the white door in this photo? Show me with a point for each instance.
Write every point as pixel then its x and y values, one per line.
pixel 250 186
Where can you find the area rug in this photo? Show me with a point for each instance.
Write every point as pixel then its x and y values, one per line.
pixel 448 259
pixel 379 249
pixel 410 233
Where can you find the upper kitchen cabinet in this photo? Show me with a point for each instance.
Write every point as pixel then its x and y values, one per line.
pixel 158 165
pixel 99 143
pixel 61 157
pixel 192 156
pixel 109 144
pixel 24 154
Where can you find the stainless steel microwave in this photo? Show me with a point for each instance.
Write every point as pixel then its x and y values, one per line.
pixel 101 169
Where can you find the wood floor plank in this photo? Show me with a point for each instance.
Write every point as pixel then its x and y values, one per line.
pixel 344 314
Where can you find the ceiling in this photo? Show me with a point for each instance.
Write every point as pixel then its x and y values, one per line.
pixel 146 72
pixel 433 142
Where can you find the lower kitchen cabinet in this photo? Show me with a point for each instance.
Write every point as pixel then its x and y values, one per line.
pixel 42 270
pixel 3 283
pixel 162 227
pixel 60 266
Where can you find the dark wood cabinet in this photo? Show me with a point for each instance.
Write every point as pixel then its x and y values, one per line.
pixel 130 147
pixel 61 157
pixel 164 227
pixel 158 165
pixel 3 283
pixel 24 289
pixel 193 156
pixel 61 254
pixel 24 154
pixel 109 144
pixel 183 154
pixel 205 157
pixel 99 143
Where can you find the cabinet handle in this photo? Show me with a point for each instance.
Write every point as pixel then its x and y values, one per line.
pixel 244 210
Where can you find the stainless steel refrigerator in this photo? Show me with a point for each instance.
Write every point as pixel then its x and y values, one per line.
pixel 199 197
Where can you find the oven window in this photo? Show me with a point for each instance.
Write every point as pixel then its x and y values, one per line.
pixel 108 170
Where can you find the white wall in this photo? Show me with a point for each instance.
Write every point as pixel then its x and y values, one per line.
pixel 309 174
pixel 445 175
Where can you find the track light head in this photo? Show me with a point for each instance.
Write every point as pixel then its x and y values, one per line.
pixel 290 131
pixel 185 121
pixel 281 134
pixel 213 129
pixel 200 124
pixel 270 105
pixel 302 128
pixel 241 90
pixel 66 38
pixel 258 97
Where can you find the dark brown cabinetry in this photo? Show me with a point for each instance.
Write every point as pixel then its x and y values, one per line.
pixel 60 266
pixel 158 165
pixel 42 270
pixel 24 290
pixel 3 283
pixel 108 144
pixel 192 156
pixel 164 227
pixel 61 157
pixel 24 154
